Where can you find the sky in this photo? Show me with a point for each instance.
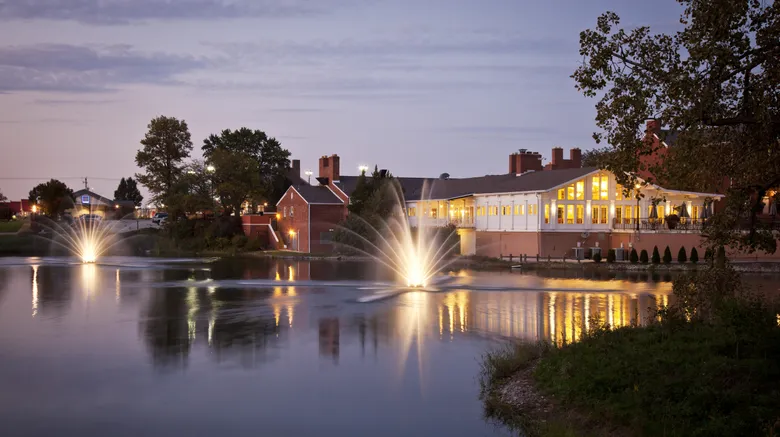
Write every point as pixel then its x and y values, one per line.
pixel 420 87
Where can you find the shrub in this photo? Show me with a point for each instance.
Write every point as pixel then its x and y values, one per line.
pixel 708 254
pixel 633 257
pixel 597 257
pixel 611 256
pixel 667 255
pixel 694 256
pixel 643 257
pixel 239 241
pixel 656 256
pixel 682 257
pixel 253 245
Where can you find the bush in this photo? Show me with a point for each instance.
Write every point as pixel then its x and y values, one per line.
pixel 633 257
pixel 597 257
pixel 643 257
pixel 611 256
pixel 667 255
pixel 253 245
pixel 239 241
pixel 682 257
pixel 694 256
pixel 656 256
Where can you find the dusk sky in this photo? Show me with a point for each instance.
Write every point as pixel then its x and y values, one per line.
pixel 419 87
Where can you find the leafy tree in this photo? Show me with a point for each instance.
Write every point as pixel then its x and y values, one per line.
pixel 694 256
pixel 682 257
pixel 597 257
pixel 656 259
pixel 165 146
pixel 360 194
pixel 52 197
pixel 192 192
pixel 128 190
pixel 667 255
pixel 611 256
pixel 272 160
pixel 643 257
pixel 634 258
pixel 236 178
pixel 714 85
pixel 594 157
pixel 2 197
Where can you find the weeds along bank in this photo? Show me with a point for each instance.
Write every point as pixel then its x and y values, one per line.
pixel 708 365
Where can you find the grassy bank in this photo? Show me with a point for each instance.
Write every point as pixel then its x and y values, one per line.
pixel 10 226
pixel 709 366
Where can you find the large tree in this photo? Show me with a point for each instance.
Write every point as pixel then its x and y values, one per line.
pixel 715 84
pixel 236 177
pixel 128 190
pixel 52 197
pixel 273 161
pixel 2 197
pixel 192 192
pixel 165 146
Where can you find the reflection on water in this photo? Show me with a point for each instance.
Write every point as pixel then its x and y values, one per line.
pixel 95 330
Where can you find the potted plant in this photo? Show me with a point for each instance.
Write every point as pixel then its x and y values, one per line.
pixel 672 220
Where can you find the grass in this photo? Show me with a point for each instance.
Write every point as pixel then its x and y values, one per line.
pixel 709 365
pixel 21 245
pixel 10 226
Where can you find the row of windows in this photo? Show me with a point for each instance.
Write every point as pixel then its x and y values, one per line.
pixel 506 210
pixel 599 189
pixel 575 214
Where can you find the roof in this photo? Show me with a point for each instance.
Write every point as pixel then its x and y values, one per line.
pixel 77 195
pixel 316 194
pixel 347 184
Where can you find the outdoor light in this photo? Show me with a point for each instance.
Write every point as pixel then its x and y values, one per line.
pixel 265 203
pixel 291 232
pixel 116 206
pixel 34 208
pixel 210 168
pixel 363 168
pixel 278 216
pixel 638 186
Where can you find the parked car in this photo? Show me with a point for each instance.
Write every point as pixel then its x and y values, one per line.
pixel 160 218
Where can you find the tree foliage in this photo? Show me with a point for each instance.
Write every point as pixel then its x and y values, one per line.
pixel 611 256
pixel 643 257
pixel 656 259
pixel 236 178
pixel 128 190
pixel 715 84
pixel 2 197
pixel 272 161
pixel 165 146
pixel 633 257
pixel 192 192
pixel 667 255
pixel 52 197
pixel 682 256
pixel 694 256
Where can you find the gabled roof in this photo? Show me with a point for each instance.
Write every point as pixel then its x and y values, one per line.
pixel 77 196
pixel 347 184
pixel 314 194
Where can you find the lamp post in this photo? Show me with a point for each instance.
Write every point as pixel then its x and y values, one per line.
pixel 308 174
pixel 362 168
pixel 637 186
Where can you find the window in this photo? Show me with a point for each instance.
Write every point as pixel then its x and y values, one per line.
pixel 412 211
pixel 506 210
pixel 434 212
pixel 695 213
pixel 600 187
pixel 284 212
pixel 581 190
pixel 569 214
pixel 604 187
pixel 560 214
pixel 604 215
pixel 495 210
pixel 618 192
pixel 570 192
pixel 532 210
pixel 627 216
pixel 594 188
pixel 580 214
pixel 594 214
pixel 519 210
pixel 546 213
pixel 291 211
pixel 561 194
pixel 618 214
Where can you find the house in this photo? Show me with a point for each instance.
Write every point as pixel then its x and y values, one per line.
pixel 89 202
pixel 18 208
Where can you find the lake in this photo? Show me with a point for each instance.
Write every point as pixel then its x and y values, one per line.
pixel 203 347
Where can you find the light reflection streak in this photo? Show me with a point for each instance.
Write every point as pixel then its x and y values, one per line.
pixel 192 311
pixel 35 290
pixel 118 286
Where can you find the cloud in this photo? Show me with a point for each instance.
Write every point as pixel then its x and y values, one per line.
pixel 133 11
pixel 69 68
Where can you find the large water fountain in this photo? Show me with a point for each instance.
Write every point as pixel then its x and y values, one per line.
pixel 86 238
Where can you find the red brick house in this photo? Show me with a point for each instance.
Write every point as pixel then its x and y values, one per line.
pixel 307 216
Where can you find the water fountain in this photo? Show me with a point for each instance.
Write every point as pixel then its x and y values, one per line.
pixel 86 238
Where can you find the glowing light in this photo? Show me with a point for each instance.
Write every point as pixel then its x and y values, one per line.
pixel 34 208
pixel 116 206
pixel 291 232
pixel 278 216
pixel 35 291
pixel 363 168
pixel 210 168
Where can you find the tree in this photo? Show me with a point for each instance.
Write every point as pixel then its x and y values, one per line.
pixel 165 146
pixel 694 256
pixel 634 258
pixel 2 197
pixel 52 197
pixel 667 255
pixel 360 194
pixel 594 157
pixel 273 161
pixel 643 257
pixel 192 192
pixel 236 178
pixel 656 259
pixel 682 257
pixel 714 85
pixel 128 191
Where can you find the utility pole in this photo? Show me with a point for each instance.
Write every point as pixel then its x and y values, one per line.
pixel 86 183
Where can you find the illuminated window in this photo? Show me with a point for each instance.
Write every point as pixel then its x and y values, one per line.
pixel 532 210
pixel 569 214
pixel 560 214
pixel 600 187
pixel 546 213
pixel 284 212
pixel 594 188
pixel 570 192
pixel 618 214
pixel 604 187
pixel 291 211
pixel 594 214
pixel 412 211
pixel 506 210
pixel 580 214
pixel 561 194
pixel 695 216
pixel 518 209
pixel 604 215
pixel 434 212
pixel 581 190
pixel 618 192
pixel 627 216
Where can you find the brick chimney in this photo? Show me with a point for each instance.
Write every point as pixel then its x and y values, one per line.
pixel 329 168
pixel 557 157
pixel 575 158
pixel 653 126
pixel 294 172
pixel 523 161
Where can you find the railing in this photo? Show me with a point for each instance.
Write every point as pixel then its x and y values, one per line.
pixel 684 225
pixel 463 223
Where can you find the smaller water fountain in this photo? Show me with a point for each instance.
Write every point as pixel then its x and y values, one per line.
pixel 86 238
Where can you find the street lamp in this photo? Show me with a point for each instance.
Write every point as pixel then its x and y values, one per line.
pixel 210 168
pixel 363 168
pixel 308 173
